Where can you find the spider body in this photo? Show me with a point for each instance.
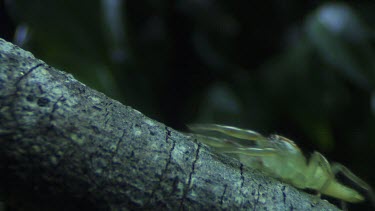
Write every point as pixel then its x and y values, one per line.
pixel 281 158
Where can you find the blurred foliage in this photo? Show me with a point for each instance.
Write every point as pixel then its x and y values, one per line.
pixel 305 70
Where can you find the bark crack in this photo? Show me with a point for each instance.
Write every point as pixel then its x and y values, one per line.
pixel 222 196
pixel 17 90
pixel 284 195
pixel 27 73
pixel 242 177
pixel 187 187
pixel 116 149
pixel 107 113
pixel 56 106
pixel 257 197
pixel 167 138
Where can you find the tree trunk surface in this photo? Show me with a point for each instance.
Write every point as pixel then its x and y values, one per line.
pixel 65 146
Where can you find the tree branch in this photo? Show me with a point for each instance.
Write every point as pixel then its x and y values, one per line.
pixel 62 141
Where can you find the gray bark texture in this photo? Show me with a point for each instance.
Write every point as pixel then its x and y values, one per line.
pixel 65 146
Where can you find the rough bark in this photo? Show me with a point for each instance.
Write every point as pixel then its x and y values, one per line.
pixel 64 145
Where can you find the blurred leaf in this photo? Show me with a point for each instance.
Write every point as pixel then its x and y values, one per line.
pixel 220 105
pixel 343 41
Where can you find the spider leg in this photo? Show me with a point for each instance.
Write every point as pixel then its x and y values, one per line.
pixel 323 175
pixel 230 131
pixel 318 160
pixel 339 168
pixel 231 147
pixel 216 142
pixel 250 151
pixel 318 171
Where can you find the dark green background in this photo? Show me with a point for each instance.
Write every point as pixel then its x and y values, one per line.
pixel 302 69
